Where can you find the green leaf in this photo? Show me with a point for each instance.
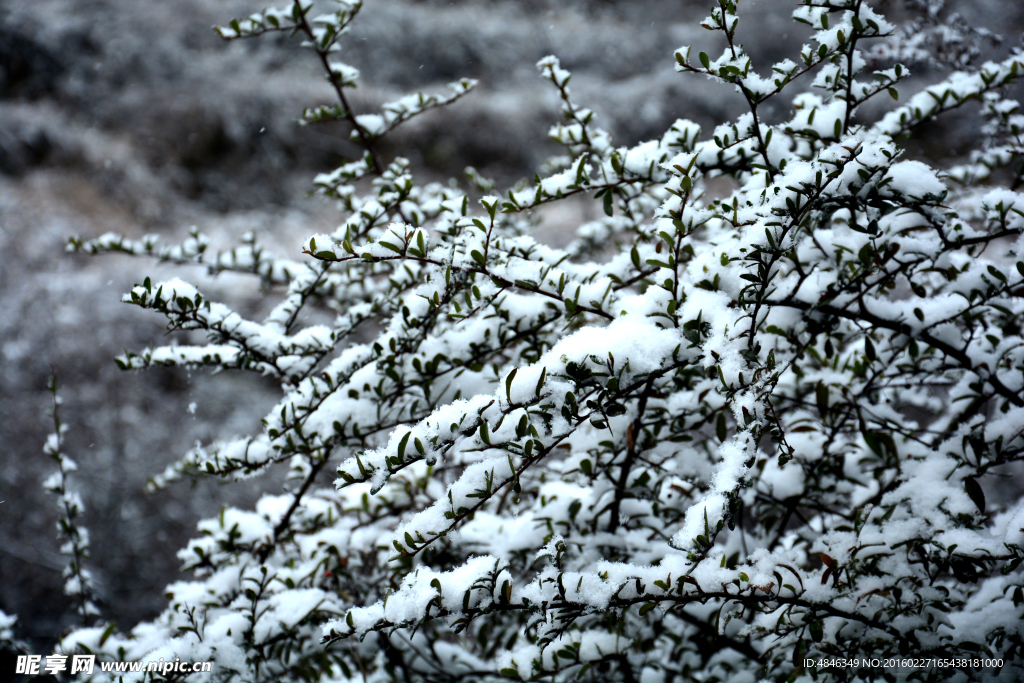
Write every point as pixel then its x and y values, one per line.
pixel 994 272
pixel 975 492
pixel 821 396
pixel 508 384
pixel 107 632
pixel 869 349
pixel 402 444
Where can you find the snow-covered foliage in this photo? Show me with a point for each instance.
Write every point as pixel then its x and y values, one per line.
pixel 717 435
pixel 78 583
pixel 7 630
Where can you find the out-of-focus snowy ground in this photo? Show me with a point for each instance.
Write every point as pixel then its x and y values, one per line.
pixel 134 118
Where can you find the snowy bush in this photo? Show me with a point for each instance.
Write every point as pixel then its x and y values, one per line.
pixel 717 436
pixel 78 582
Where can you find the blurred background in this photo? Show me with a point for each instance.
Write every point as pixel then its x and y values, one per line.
pixel 135 118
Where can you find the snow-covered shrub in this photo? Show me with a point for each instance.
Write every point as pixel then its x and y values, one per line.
pixel 714 438
pixel 78 583
pixel 7 624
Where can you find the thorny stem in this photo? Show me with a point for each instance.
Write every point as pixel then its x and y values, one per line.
pixel 69 514
pixel 340 91
pixel 778 252
pixel 752 105
pixel 282 525
pixel 849 72
pixel 633 435
pixel 540 454
pixel 903 328
pixel 478 270
pixel 756 597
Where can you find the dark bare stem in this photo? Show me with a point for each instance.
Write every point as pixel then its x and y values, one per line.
pixel 347 112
